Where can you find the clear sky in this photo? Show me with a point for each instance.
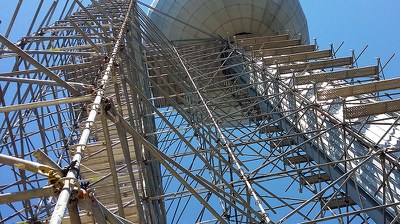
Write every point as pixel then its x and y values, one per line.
pixel 358 23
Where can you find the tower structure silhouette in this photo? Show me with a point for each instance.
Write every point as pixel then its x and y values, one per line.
pixel 200 113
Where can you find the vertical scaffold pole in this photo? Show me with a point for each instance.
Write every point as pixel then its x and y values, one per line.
pixel 65 194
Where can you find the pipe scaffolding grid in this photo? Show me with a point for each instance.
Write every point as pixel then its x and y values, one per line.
pixel 107 119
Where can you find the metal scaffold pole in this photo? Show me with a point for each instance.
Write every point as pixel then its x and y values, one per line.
pixel 195 112
pixel 72 174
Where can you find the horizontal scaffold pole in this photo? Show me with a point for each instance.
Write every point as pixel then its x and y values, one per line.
pixel 25 164
pixel 39 66
pixel 27 194
pixel 34 105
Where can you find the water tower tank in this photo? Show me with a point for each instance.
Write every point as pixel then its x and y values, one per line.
pixel 228 17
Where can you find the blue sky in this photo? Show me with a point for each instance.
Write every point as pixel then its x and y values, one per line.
pixel 358 23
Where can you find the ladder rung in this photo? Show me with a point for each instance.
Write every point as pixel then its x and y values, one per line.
pixel 308 66
pixel 372 109
pixel 336 75
pixel 305 56
pixel 358 89
pixel 283 51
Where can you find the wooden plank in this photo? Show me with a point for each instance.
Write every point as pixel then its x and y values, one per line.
pixel 271 45
pixel 337 75
pixel 247 35
pixel 283 51
pixel 309 66
pixel 340 202
pixel 110 199
pixel 122 179
pixel 371 109
pixel 304 56
pixel 86 218
pixel 313 179
pixel 297 159
pixel 261 39
pixel 354 90
pixel 282 143
pixel 269 129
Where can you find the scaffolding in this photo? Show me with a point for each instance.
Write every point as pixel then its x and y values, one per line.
pixel 105 120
